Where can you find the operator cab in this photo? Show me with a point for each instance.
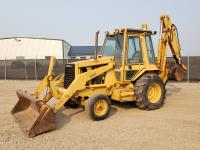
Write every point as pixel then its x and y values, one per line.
pixel 132 50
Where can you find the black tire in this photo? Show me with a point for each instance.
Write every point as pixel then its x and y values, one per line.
pixel 141 90
pixel 71 104
pixel 92 101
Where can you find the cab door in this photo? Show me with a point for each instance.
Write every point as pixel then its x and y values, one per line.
pixel 134 56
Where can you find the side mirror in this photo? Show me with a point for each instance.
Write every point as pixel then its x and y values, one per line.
pixel 154 33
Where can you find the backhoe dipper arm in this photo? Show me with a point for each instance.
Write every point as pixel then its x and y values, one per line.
pixel 169 37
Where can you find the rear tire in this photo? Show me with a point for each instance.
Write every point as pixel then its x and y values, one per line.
pixel 98 106
pixel 150 92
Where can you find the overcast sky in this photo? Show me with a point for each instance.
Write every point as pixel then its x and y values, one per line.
pixel 76 21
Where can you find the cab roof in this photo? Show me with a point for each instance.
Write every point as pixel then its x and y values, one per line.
pixel 122 30
pixel 138 30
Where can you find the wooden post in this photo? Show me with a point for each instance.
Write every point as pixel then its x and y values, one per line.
pixel 36 69
pixel 188 68
pixel 5 69
pixel 25 69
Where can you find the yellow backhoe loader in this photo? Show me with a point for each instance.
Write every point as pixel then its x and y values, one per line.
pixel 125 69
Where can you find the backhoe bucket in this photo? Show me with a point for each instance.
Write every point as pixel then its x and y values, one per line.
pixel 180 72
pixel 34 117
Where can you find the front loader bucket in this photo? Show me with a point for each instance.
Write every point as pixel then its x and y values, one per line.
pixel 34 117
pixel 180 72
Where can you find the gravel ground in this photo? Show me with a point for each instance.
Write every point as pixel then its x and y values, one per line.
pixel 174 126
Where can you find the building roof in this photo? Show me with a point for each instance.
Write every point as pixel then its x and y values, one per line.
pixel 41 38
pixel 82 50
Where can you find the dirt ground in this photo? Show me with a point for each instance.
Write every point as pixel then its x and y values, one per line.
pixel 175 126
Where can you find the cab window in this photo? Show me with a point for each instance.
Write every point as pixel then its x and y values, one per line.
pixel 134 50
pixel 113 46
pixel 150 50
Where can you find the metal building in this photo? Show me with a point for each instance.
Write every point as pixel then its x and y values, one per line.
pixel 32 48
pixel 82 52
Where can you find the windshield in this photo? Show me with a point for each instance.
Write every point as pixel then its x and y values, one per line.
pixel 113 46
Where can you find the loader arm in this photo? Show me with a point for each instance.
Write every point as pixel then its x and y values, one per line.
pixel 79 83
pixel 61 94
pixel 169 37
pixel 48 81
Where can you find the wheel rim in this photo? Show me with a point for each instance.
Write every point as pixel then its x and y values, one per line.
pixel 100 107
pixel 154 93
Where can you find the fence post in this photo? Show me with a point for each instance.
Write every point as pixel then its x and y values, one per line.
pixel 36 69
pixel 188 68
pixel 5 69
pixel 25 69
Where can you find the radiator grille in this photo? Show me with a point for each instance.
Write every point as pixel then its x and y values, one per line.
pixel 69 74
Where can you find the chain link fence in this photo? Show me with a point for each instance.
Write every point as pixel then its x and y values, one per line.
pixel 31 69
pixel 36 69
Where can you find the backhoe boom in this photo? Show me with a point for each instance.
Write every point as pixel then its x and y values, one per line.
pixel 169 37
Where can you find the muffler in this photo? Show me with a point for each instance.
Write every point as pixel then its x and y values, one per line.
pixel 33 116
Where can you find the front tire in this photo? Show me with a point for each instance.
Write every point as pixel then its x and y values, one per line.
pixel 98 106
pixel 150 92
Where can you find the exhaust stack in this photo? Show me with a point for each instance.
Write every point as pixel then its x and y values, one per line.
pixel 96 44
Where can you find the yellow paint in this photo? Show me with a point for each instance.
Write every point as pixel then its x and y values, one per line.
pixel 100 107
pixel 154 93
pixel 103 68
